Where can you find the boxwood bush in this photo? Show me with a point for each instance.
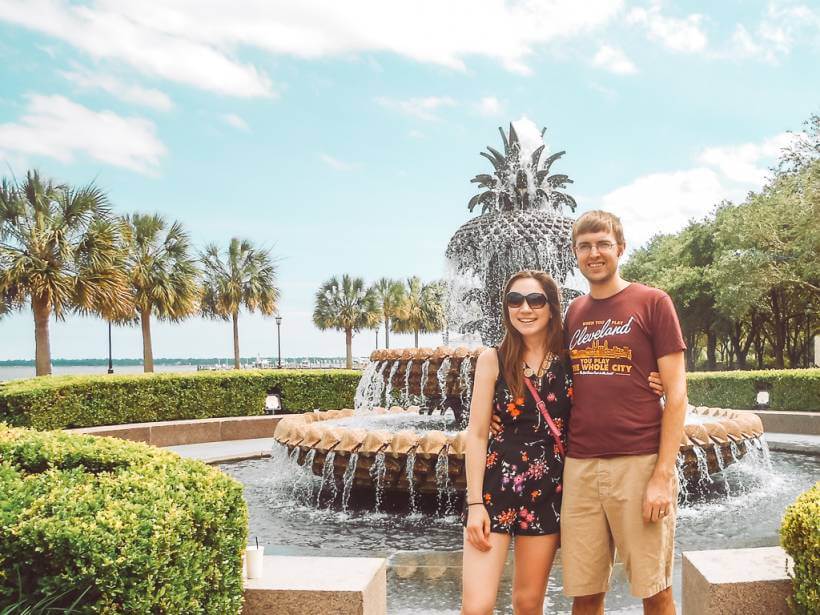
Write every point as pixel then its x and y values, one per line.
pixel 139 530
pixel 789 389
pixel 800 537
pixel 60 402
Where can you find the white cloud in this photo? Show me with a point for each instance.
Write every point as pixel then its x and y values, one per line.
pixel 338 165
pixel 529 136
pixel 196 43
pixel 490 105
pixel 59 128
pixel 783 27
pixel 614 60
pixel 741 163
pixel 684 35
pixel 664 202
pixel 423 108
pixel 128 92
pixel 233 120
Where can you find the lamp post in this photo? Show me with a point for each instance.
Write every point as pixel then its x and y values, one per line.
pixel 110 361
pixel 279 339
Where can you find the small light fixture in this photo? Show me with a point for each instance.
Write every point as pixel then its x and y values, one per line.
pixel 763 397
pixel 273 403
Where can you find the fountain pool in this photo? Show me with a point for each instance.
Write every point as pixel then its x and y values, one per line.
pixel 741 507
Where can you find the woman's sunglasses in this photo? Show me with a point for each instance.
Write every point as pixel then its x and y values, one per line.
pixel 534 300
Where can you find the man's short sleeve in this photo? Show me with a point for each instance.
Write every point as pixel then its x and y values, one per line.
pixel 666 333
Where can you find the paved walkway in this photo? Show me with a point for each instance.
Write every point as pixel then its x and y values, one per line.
pixel 228 450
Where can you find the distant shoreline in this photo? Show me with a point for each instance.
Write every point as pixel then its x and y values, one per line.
pixel 158 361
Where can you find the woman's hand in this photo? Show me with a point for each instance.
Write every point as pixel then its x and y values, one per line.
pixel 655 383
pixel 478 527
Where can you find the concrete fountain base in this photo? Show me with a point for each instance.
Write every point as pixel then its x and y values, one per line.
pixel 385 460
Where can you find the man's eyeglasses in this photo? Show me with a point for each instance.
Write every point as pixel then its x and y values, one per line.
pixel 603 247
pixel 534 300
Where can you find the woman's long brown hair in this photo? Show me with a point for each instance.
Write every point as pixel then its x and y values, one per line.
pixel 511 349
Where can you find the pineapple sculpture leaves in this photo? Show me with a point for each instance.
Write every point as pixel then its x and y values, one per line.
pixel 521 226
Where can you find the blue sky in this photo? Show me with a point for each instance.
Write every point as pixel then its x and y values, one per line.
pixel 343 135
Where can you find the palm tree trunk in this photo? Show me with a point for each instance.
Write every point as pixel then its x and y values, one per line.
pixel 387 332
pixel 416 332
pixel 349 348
pixel 42 345
pixel 235 318
pixel 147 348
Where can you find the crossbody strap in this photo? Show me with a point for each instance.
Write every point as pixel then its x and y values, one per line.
pixel 542 407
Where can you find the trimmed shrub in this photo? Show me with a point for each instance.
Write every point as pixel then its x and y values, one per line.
pixel 800 537
pixel 790 389
pixel 60 402
pixel 138 529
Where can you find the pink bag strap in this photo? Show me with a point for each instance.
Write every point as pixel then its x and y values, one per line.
pixel 542 407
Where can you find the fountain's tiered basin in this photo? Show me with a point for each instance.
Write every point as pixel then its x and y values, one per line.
pixel 398 451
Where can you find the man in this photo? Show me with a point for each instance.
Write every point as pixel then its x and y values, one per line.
pixel 620 480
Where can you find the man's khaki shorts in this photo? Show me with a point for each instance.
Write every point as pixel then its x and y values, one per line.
pixel 601 512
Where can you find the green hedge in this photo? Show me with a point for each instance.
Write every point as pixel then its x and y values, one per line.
pixel 791 389
pixel 138 529
pixel 59 402
pixel 800 537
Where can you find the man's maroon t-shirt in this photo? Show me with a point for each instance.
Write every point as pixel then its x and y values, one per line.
pixel 613 345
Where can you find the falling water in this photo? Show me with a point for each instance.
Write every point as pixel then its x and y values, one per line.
pixel 347 480
pixel 329 479
pixel 719 457
pixel 377 472
pixel 684 489
pixel 364 390
pixel 766 454
pixel 405 396
pixel 465 378
pixel 389 385
pixel 703 468
pixel 303 487
pixel 441 375
pixel 425 368
pixel 411 480
pixel 378 387
pixel 734 451
pixel 443 488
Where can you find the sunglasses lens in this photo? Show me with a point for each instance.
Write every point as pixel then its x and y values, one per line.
pixel 536 300
pixel 515 299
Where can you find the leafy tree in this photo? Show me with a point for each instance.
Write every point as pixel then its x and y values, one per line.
pixel 422 310
pixel 245 276
pixel 346 305
pixel 163 273
pixel 60 250
pixel 390 295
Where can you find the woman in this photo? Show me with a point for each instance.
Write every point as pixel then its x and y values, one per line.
pixel 513 482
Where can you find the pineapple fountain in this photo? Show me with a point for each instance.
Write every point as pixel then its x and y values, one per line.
pixel 404 439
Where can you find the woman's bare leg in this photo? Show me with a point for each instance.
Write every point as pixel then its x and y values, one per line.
pixel 481 572
pixel 533 561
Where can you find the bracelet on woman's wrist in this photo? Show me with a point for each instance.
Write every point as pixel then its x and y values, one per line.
pixel 476 504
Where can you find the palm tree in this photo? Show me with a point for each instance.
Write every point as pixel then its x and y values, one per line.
pixel 390 296
pixel 422 310
pixel 245 278
pixel 60 250
pixel 346 306
pixel 163 274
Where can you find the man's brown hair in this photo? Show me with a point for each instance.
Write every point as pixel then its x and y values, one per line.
pixel 599 221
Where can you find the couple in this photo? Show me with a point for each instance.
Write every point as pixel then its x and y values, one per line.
pixel 618 480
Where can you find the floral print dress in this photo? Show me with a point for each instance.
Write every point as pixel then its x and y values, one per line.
pixel 524 466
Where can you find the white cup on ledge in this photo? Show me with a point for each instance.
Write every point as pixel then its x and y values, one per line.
pixel 254 558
